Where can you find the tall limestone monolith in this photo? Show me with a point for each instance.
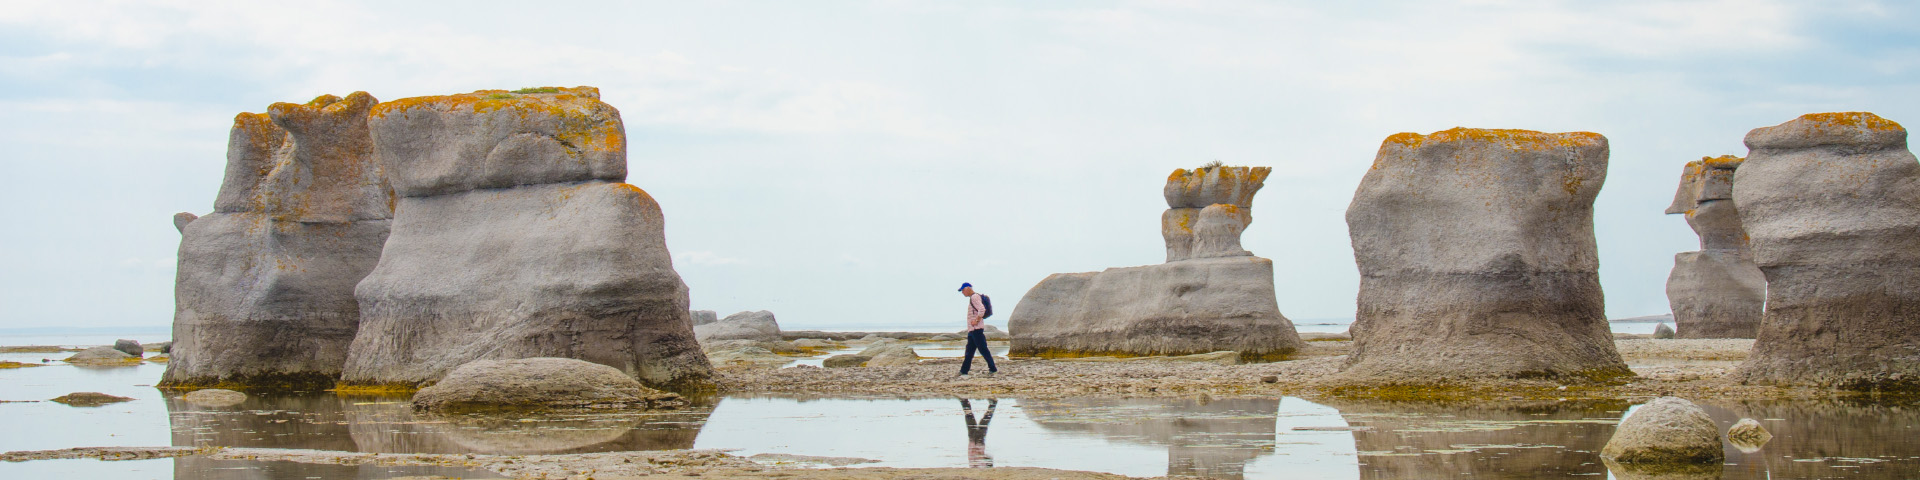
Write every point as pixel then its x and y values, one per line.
pixel 263 296
pixel 1211 295
pixel 1716 292
pixel 514 237
pixel 1477 259
pixel 1832 204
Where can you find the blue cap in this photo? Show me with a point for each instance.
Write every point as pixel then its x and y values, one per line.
pixel 964 286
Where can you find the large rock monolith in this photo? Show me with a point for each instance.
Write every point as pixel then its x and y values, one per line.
pixel 514 237
pixel 263 296
pixel 1477 259
pixel 1211 295
pixel 1716 292
pixel 1831 202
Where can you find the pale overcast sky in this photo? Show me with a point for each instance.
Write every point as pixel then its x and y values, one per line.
pixel 850 163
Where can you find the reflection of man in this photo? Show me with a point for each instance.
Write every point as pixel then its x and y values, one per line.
pixel 977 434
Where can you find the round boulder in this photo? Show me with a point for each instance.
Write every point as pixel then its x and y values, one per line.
pixel 1663 331
pixel 214 397
pixel 1667 430
pixel 538 384
pixel 103 356
pixel 129 347
pixel 845 361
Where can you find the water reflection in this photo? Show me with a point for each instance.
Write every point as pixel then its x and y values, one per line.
pixel 977 434
pixel 1518 440
pixel 1825 439
pixel 1203 437
pixel 326 422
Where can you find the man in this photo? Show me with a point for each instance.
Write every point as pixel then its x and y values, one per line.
pixel 976 329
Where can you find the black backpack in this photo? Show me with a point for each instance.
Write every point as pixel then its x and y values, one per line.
pixel 986 302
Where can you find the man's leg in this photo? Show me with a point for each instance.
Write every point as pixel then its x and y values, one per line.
pixel 968 362
pixel 979 337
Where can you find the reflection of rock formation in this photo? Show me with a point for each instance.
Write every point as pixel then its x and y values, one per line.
pixel 1716 292
pixel 1831 202
pixel 1522 441
pixel 1477 258
pixel 301 421
pixel 1212 439
pixel 514 237
pixel 394 428
pixel 264 289
pixel 1822 439
pixel 1211 294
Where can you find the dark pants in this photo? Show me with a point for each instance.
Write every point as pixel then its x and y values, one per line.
pixel 977 339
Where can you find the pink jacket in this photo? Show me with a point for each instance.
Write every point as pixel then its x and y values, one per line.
pixel 975 310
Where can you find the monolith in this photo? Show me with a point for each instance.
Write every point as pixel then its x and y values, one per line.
pixel 263 294
pixel 515 237
pixel 1477 259
pixel 1716 292
pixel 1831 202
pixel 1211 295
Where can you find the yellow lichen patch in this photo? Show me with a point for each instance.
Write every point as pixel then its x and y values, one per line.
pixel 1865 120
pixel 1722 162
pixel 1511 139
pixel 6 365
pixel 636 190
pixel 386 390
pixel 1179 174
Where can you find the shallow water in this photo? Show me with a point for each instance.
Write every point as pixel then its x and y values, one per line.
pixel 1225 438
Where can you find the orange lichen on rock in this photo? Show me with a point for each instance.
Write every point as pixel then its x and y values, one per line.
pixel 1862 120
pixel 1723 162
pixel 584 122
pixel 1509 138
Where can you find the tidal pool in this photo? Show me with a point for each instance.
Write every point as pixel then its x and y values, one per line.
pixel 1223 438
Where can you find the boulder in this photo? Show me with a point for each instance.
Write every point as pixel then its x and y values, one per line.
pixel 1831 203
pixel 1747 435
pixel 814 344
pixel 746 356
pixel 1716 292
pixel 995 334
pixel 263 292
pixel 214 397
pixel 703 317
pixel 543 383
pixel 873 337
pixel 1662 331
pixel 1667 430
pixel 740 326
pixel 102 355
pixel 890 356
pixel 162 347
pixel 948 337
pixel 1477 259
pixel 845 361
pixel 89 399
pixel 513 237
pixel 129 347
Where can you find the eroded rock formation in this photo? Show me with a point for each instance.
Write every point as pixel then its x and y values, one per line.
pixel 758 325
pixel 1831 202
pixel 1716 292
pixel 264 290
pixel 1477 259
pixel 1211 295
pixel 514 237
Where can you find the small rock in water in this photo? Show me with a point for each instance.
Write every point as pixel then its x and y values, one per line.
pixel 214 397
pixel 129 347
pixel 103 356
pixel 89 399
pixel 1748 435
pixel 845 361
pixel 1270 379
pixel 1663 331
pixel 1666 430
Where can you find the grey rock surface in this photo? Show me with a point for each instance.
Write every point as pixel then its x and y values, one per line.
pixel 752 356
pixel 214 397
pixel 758 325
pixel 263 292
pixel 890 356
pixel 162 347
pixel 1178 308
pixel 129 347
pixel 1717 292
pixel 814 343
pixel 845 361
pixel 995 334
pixel 180 220
pixel 1831 202
pixel 102 355
pixel 1477 259
pixel 1222 358
pixel 1667 430
pixel 514 239
pixel 703 317
pixel 540 383
pixel 775 346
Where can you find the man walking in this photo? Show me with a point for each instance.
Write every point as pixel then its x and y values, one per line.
pixel 977 312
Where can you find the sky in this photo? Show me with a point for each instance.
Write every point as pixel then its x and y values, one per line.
pixel 848 164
